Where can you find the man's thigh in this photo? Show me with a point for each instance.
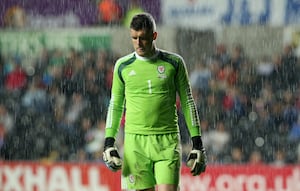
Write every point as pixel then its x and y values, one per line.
pixel 167 159
pixel 151 160
pixel 137 172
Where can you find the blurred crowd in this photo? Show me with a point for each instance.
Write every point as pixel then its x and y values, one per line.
pixel 55 109
pixel 249 108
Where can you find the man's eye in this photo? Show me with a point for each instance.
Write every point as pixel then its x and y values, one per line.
pixel 139 38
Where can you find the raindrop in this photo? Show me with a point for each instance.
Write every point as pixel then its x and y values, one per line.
pixel 252 116
pixel 259 141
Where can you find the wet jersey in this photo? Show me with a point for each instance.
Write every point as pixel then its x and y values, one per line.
pixel 146 89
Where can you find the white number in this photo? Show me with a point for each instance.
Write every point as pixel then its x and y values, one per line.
pixel 149 86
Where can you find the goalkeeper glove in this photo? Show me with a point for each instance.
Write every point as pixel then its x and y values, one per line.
pixel 197 158
pixel 111 155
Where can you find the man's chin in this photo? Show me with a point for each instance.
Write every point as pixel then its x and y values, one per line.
pixel 140 53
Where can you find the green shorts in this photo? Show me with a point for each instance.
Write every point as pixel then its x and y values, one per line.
pixel 150 160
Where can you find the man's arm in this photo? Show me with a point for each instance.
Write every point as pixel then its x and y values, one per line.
pixel 187 102
pixel 116 105
pixel 111 155
pixel 197 158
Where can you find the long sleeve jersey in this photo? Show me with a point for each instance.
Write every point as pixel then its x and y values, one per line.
pixel 146 89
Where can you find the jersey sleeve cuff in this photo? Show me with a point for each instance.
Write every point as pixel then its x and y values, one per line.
pixel 110 132
pixel 195 132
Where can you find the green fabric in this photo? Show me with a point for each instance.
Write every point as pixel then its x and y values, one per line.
pixel 150 160
pixel 151 87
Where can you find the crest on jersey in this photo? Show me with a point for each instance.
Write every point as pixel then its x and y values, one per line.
pixel 161 69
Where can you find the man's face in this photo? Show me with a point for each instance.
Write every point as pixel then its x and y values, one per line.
pixel 142 41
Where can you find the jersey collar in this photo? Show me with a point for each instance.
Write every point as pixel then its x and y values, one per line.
pixel 147 58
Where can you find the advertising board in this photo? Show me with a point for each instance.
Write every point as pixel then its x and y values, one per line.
pixel 34 176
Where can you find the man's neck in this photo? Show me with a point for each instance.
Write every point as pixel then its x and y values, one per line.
pixel 153 55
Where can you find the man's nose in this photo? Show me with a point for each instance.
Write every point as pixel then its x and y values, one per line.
pixel 139 41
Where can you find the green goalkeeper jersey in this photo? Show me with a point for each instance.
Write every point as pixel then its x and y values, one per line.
pixel 146 89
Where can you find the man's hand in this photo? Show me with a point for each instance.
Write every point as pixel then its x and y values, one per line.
pixel 196 161
pixel 197 158
pixel 112 159
pixel 111 155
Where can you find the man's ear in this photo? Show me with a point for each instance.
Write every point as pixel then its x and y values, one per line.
pixel 154 35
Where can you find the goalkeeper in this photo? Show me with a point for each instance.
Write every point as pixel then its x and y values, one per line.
pixel 145 85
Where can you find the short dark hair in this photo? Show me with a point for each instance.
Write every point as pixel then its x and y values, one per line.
pixel 143 21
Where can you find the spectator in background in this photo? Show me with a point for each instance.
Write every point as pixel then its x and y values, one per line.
pixel 42 61
pixel 74 108
pixel 219 139
pixel 210 107
pixel 298 153
pixel 255 158
pixel 279 158
pixel 200 77
pixel 221 55
pixel 15 17
pixel 87 134
pixel 6 123
pixel 290 70
pixel 93 90
pixel 2 74
pixel 53 68
pixel 227 76
pixel 264 68
pixel 68 124
pixel 294 133
pixel 35 96
pixel 236 155
pixel 232 103
pixel 109 12
pixel 74 74
pixel 104 70
pixel 284 75
pixel 205 128
pixel 16 78
pixel 290 112
pixel 57 100
pixel 237 57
